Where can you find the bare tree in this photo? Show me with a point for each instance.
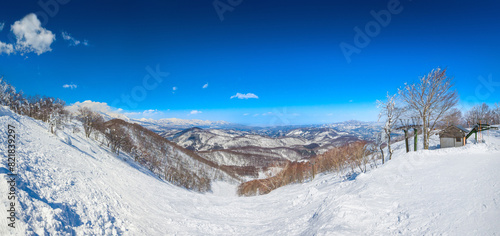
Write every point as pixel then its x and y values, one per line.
pixel 430 99
pixel 453 117
pixel 479 113
pixel 91 120
pixel 391 113
pixel 117 138
pixel 496 114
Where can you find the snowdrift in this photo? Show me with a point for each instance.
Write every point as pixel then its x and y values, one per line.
pixel 80 188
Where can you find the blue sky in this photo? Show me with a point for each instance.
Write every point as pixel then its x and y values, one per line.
pixel 280 61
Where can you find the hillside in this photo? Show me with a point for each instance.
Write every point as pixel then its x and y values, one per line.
pixel 70 185
pixel 168 160
pixel 257 150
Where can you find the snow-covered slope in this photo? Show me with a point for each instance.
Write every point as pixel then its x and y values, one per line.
pixel 82 189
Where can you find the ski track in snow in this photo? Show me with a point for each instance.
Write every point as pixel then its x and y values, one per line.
pixel 83 189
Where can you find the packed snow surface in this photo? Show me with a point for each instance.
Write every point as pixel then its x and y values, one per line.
pixel 77 187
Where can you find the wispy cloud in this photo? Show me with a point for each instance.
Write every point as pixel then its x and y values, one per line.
pixel 174 88
pixel 195 112
pixel 6 48
pixel 72 41
pixel 205 86
pixel 144 114
pixel 31 36
pixel 244 96
pixel 70 86
pixel 2 24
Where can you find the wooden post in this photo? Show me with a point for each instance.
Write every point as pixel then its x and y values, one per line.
pixel 406 140
pixel 415 133
pixel 479 130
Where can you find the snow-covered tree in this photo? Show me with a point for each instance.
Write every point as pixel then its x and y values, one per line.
pixel 7 93
pixel 391 113
pixel 430 99
pixel 378 144
pixel 56 115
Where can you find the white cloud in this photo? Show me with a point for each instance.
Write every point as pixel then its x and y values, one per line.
pixel 194 112
pixel 244 96
pixel 31 36
pixel 174 88
pixel 72 41
pixel 246 114
pixel 205 86
pixel 71 86
pixel 6 48
pixel 143 114
pixel 100 107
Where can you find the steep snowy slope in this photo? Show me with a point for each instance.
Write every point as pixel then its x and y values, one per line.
pixel 82 189
pixel 168 160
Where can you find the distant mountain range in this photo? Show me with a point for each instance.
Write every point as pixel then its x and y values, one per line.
pixel 175 123
pixel 252 148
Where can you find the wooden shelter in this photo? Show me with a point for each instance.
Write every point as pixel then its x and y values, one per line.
pixel 453 136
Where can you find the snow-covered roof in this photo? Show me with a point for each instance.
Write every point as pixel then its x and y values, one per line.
pixel 453 131
pixel 462 128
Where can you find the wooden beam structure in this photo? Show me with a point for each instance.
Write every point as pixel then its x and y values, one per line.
pixel 406 125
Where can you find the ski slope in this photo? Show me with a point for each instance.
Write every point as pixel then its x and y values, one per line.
pixel 69 185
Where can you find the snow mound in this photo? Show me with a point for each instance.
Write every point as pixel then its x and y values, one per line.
pixel 5 111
